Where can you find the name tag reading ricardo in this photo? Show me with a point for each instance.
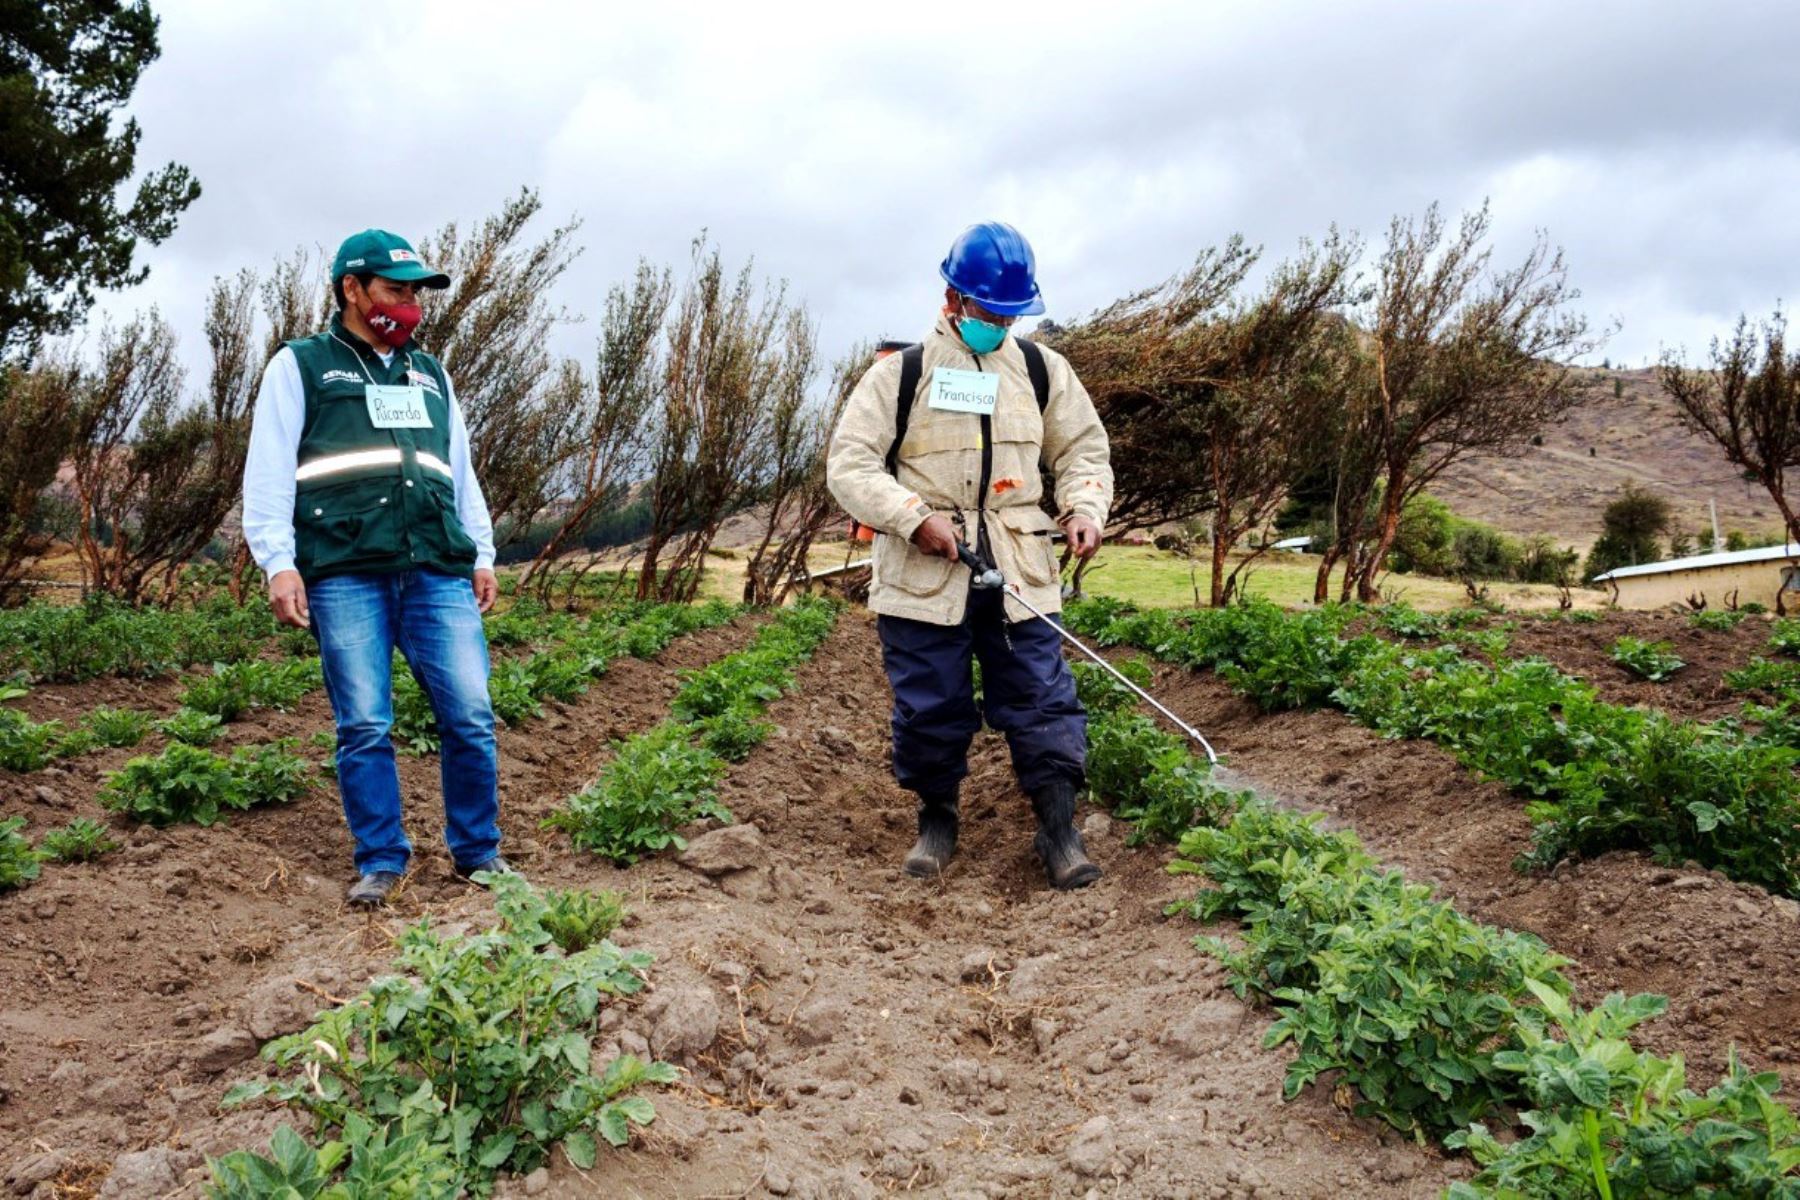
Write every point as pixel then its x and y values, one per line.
pixel 392 406
pixel 955 390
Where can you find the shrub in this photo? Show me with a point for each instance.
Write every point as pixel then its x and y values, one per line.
pixel 81 840
pixel 186 783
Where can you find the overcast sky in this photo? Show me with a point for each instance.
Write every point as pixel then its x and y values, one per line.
pixel 844 145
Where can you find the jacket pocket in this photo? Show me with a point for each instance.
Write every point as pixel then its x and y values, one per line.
pixel 899 566
pixel 1026 529
pixel 456 539
pixel 358 524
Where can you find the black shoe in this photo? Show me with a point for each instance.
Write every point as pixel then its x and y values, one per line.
pixel 937 836
pixel 1057 843
pixel 372 887
pixel 495 865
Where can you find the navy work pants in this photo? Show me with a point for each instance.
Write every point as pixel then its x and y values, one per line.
pixel 1028 694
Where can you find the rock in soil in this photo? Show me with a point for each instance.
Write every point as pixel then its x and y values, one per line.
pixel 145 1175
pixel 686 1021
pixel 722 851
pixel 222 1049
pixel 1092 1147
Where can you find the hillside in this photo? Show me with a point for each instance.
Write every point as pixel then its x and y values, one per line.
pixel 1559 489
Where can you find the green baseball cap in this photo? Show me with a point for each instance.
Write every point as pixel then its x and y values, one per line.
pixel 378 252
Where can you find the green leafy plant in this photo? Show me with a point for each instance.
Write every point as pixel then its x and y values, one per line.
pixel 1585 616
pixel 370 1162
pixel 192 727
pixel 1715 620
pixel 1370 977
pixel 234 689
pixel 81 840
pixel 27 745
pixel 118 727
pixel 1655 661
pixel 576 918
pixel 187 783
pixel 510 692
pixel 1765 675
pixel 19 863
pixel 734 733
pixel 1609 1121
pixel 488 1036
pixel 1404 621
pixel 657 782
pixel 415 724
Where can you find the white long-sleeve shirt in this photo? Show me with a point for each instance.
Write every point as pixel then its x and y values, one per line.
pixel 275 453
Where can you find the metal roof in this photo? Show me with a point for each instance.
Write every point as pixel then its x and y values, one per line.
pixel 1700 562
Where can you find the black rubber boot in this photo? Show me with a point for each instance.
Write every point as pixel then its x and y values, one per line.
pixel 937 836
pixel 1057 843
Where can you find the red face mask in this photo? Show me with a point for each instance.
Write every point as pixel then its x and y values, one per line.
pixel 393 323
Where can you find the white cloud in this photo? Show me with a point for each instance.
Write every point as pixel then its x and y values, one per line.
pixel 845 145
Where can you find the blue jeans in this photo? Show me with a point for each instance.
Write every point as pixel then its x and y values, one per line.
pixel 1028 694
pixel 433 619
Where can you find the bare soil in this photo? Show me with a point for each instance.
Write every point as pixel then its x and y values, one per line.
pixel 846 1031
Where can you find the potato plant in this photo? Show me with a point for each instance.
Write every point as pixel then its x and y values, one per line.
pixel 660 780
pixel 187 783
pixel 234 689
pixel 1715 620
pixel 120 728
pixel 486 1040
pixel 1655 661
pixel 81 840
pixel 192 727
pixel 1597 776
pixel 19 863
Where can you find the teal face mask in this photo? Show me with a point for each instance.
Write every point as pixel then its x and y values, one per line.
pixel 983 337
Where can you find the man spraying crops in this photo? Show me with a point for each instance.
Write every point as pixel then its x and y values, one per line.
pixel 942 444
pixel 361 507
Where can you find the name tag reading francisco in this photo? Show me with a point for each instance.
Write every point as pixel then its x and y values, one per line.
pixel 954 390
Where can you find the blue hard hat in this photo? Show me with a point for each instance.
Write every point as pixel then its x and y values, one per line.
pixel 992 263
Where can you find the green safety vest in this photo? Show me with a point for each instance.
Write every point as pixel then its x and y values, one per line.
pixel 369 500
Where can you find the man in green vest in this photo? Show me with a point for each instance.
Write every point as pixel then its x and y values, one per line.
pixel 361 507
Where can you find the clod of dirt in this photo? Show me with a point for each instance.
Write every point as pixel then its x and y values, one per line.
pixel 1091 1149
pixel 836 741
pixel 981 965
pixel 25 1176
pixel 277 1008
pixel 686 1021
pixel 222 1049
pixel 722 851
pixel 144 1175
pixel 1033 979
pixel 1208 1025
pixel 820 1021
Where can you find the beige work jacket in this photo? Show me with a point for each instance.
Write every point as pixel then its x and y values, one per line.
pixel 940 470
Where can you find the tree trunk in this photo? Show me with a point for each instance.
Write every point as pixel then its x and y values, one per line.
pixel 1387 528
pixel 1221 540
pixel 1322 581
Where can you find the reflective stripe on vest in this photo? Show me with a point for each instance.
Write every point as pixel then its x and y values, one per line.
pixel 391 457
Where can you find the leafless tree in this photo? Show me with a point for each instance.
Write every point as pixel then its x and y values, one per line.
pixel 725 360
pixel 1464 360
pixel 797 504
pixel 612 411
pixel 1748 404
pixel 490 331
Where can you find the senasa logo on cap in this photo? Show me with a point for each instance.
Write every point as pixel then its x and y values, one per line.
pixel 355 262
pixel 403 256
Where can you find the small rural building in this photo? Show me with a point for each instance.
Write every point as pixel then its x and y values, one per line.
pixel 1752 574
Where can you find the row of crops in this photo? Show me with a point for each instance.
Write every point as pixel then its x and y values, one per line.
pixel 475 1058
pixel 559 656
pixel 1596 776
pixel 1449 1030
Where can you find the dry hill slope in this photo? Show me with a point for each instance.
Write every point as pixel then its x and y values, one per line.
pixel 1559 489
